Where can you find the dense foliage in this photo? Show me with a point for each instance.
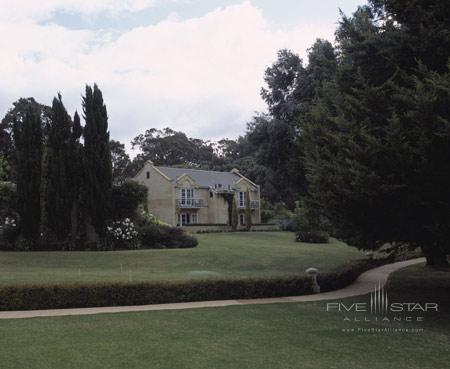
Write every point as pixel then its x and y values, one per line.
pixel 63 197
pixel 96 163
pixel 378 138
pixel 28 147
pixel 120 162
pixel 125 199
pixel 56 191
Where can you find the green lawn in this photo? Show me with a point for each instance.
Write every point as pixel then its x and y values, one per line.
pixel 276 336
pixel 219 255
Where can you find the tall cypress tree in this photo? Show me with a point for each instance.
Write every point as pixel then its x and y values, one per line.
pixel 27 136
pixel 75 175
pixel 97 163
pixel 45 232
pixel 58 192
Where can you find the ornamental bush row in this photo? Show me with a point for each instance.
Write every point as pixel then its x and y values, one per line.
pixel 28 297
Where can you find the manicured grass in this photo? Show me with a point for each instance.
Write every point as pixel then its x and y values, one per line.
pixel 223 255
pixel 272 336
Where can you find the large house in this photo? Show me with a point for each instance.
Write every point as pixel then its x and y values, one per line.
pixel 181 196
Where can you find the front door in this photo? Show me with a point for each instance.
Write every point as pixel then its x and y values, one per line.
pixel 187 218
pixel 184 218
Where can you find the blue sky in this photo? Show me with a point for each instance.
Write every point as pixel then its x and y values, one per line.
pixel 193 65
pixel 282 14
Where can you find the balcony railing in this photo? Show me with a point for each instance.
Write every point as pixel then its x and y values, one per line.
pixel 190 203
pixel 254 204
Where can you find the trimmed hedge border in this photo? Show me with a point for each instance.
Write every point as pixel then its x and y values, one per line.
pixel 58 296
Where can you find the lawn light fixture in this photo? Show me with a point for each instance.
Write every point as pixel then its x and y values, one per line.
pixel 312 272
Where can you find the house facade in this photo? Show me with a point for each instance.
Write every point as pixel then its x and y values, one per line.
pixel 181 196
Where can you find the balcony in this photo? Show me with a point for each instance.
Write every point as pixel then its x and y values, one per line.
pixel 254 204
pixel 190 203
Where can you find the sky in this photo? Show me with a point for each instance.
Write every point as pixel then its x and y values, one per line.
pixel 192 65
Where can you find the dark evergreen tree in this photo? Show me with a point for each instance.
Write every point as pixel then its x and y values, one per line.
pixel 96 163
pixel 421 30
pixel 27 136
pixel 58 191
pixel 377 138
pixel 17 114
pixel 75 157
pixel 45 230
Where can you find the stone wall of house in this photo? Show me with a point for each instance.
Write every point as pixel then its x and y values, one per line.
pixel 161 193
pixel 244 185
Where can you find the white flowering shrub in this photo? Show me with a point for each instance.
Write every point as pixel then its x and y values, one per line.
pixel 149 218
pixel 123 234
pixel 10 231
pixel 9 222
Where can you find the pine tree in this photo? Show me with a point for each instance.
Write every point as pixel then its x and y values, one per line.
pixel 248 211
pixel 377 159
pixel 28 143
pixel 378 139
pixel 96 163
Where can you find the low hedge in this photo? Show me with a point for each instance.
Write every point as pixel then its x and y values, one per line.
pixel 31 297
pixel 312 236
pixel 155 236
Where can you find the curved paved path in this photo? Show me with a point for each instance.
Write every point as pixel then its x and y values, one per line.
pixel 364 284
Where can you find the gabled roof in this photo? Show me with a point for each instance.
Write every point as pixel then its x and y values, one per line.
pixel 202 178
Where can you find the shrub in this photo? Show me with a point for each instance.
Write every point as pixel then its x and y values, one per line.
pixel 153 235
pixel 284 217
pixel 10 231
pixel 122 234
pixel 312 236
pixel 126 198
pixel 24 244
pixel 150 236
pixel 8 197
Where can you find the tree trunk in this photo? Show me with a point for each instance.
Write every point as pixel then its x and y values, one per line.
pixel 435 256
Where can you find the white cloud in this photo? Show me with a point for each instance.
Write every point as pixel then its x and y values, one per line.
pixel 201 75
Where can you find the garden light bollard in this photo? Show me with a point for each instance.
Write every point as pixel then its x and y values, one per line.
pixel 312 272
